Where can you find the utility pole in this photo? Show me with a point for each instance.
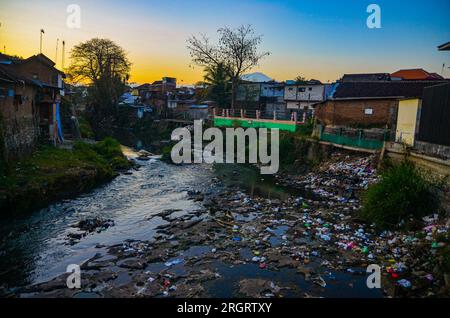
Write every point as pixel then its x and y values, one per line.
pixel 40 44
pixel 4 46
pixel 63 54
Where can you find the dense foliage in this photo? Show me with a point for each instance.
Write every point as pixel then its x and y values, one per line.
pixel 402 193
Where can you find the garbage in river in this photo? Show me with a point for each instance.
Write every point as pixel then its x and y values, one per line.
pixel 316 240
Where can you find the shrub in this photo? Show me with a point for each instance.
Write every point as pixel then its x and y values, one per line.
pixel 306 129
pixel 85 128
pixel 166 154
pixel 105 152
pixel 402 192
pixel 109 148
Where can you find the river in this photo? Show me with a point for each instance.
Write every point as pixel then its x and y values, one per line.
pixel 35 248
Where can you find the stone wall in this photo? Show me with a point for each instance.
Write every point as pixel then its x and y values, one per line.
pixel 439 151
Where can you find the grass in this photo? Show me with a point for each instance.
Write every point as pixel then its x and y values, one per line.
pixel 51 173
pixel 402 195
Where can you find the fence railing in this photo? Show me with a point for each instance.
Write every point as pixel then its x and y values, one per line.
pixel 359 138
pixel 276 115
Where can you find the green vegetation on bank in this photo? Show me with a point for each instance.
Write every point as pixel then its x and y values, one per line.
pixel 51 173
pixel 85 128
pixel 297 151
pixel 403 193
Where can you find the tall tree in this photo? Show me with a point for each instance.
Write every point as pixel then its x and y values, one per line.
pixel 237 50
pixel 217 84
pixel 104 65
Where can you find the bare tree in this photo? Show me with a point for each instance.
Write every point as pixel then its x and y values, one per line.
pixel 237 49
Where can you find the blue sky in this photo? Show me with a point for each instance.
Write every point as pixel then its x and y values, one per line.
pixel 317 39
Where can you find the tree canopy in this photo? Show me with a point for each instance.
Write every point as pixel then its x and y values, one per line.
pixel 98 59
pixel 105 65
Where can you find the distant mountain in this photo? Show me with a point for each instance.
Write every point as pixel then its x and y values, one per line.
pixel 256 77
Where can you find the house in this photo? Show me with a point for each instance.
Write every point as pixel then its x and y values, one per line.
pixel 263 96
pixel 433 135
pixel 407 120
pixel 423 123
pixel 368 104
pixel 416 74
pixel 167 84
pixel 42 72
pixel 444 47
pixel 156 95
pixel 19 114
pixel 304 96
pixel 30 95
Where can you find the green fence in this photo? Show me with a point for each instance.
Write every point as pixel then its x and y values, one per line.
pixel 359 142
pixel 254 123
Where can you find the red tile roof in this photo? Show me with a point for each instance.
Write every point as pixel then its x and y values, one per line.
pixel 416 74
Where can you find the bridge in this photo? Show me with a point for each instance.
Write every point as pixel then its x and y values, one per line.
pixel 258 119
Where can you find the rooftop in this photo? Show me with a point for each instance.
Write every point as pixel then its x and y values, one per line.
pixel 382 89
pixel 366 77
pixel 444 47
pixel 416 74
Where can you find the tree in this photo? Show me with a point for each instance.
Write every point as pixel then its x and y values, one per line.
pixel 300 80
pixel 104 65
pixel 237 50
pixel 217 84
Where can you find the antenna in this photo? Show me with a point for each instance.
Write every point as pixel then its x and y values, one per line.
pixel 56 56
pixel 40 44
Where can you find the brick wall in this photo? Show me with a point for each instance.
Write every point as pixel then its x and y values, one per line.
pixel 20 127
pixel 357 112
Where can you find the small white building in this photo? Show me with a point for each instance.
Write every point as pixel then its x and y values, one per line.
pixel 304 96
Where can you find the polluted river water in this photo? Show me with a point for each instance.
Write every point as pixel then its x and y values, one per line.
pixel 36 248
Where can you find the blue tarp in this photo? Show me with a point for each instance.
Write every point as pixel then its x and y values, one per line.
pixel 58 122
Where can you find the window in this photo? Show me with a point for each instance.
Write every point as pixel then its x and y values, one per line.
pixel 309 88
pixel 301 89
pixel 368 111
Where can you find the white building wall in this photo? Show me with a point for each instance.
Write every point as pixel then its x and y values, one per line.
pixel 304 93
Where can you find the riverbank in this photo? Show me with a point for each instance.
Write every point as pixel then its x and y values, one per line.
pixel 54 173
pixel 251 245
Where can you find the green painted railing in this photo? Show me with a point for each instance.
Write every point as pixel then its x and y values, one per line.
pixel 255 123
pixel 352 142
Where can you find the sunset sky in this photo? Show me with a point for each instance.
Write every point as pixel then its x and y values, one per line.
pixel 316 39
